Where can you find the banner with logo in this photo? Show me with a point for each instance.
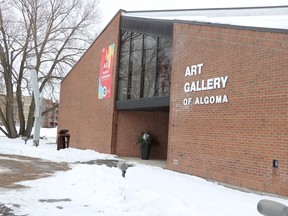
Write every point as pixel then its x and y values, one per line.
pixel 106 70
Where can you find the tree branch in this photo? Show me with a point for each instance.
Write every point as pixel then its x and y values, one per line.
pixel 50 109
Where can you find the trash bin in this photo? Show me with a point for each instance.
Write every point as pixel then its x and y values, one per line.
pixel 63 139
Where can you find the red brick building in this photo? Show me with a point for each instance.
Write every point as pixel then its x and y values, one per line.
pixel 215 95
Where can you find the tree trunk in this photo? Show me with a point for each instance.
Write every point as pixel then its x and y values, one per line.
pixel 11 129
pixel 30 121
pixel 20 110
pixel 9 115
pixel 2 117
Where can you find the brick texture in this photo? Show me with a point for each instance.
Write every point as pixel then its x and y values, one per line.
pixel 90 121
pixel 232 142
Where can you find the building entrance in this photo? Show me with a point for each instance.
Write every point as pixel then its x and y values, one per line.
pixel 132 123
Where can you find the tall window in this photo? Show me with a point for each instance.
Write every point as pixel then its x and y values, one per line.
pixel 163 67
pixel 135 65
pixel 124 66
pixel 149 64
pixel 145 66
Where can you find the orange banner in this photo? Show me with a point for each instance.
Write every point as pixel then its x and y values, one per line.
pixel 106 70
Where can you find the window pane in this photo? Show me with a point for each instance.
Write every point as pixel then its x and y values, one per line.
pixel 136 65
pixel 164 67
pixel 124 66
pixel 150 54
pixel 144 66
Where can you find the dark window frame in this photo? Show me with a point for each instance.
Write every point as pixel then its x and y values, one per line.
pixel 145 28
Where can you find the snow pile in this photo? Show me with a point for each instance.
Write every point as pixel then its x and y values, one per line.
pixel 100 190
pixel 47 149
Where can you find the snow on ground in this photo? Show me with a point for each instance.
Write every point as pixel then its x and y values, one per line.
pixel 99 190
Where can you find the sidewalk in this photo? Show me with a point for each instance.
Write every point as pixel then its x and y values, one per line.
pixel 157 163
pixel 15 168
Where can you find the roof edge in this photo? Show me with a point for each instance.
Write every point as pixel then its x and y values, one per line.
pixel 94 41
pixel 207 9
pixel 231 26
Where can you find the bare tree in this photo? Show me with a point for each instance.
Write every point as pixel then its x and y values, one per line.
pixel 48 35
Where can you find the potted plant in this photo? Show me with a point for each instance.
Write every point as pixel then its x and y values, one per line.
pixel 145 139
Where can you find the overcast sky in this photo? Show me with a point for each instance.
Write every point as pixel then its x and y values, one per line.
pixel 110 7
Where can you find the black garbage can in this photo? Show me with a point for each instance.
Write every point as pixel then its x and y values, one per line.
pixel 63 139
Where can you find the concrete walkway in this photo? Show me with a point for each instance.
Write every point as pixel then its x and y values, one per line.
pixel 157 163
pixel 16 168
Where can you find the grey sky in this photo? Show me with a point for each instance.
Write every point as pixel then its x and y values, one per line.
pixel 110 7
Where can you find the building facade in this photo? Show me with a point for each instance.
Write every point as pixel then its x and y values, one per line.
pixel 214 95
pixel 48 120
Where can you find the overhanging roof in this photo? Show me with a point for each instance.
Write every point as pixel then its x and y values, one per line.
pixel 162 28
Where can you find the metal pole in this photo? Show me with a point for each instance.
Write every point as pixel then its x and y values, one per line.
pixel 37 99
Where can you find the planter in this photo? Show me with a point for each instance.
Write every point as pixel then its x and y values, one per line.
pixel 145 151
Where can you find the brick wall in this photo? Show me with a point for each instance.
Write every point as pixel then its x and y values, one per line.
pixel 89 119
pixel 232 142
pixel 131 123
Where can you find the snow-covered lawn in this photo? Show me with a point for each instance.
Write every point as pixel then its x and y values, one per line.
pixel 99 190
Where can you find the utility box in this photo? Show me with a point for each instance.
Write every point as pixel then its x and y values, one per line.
pixel 63 139
pixel 272 208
